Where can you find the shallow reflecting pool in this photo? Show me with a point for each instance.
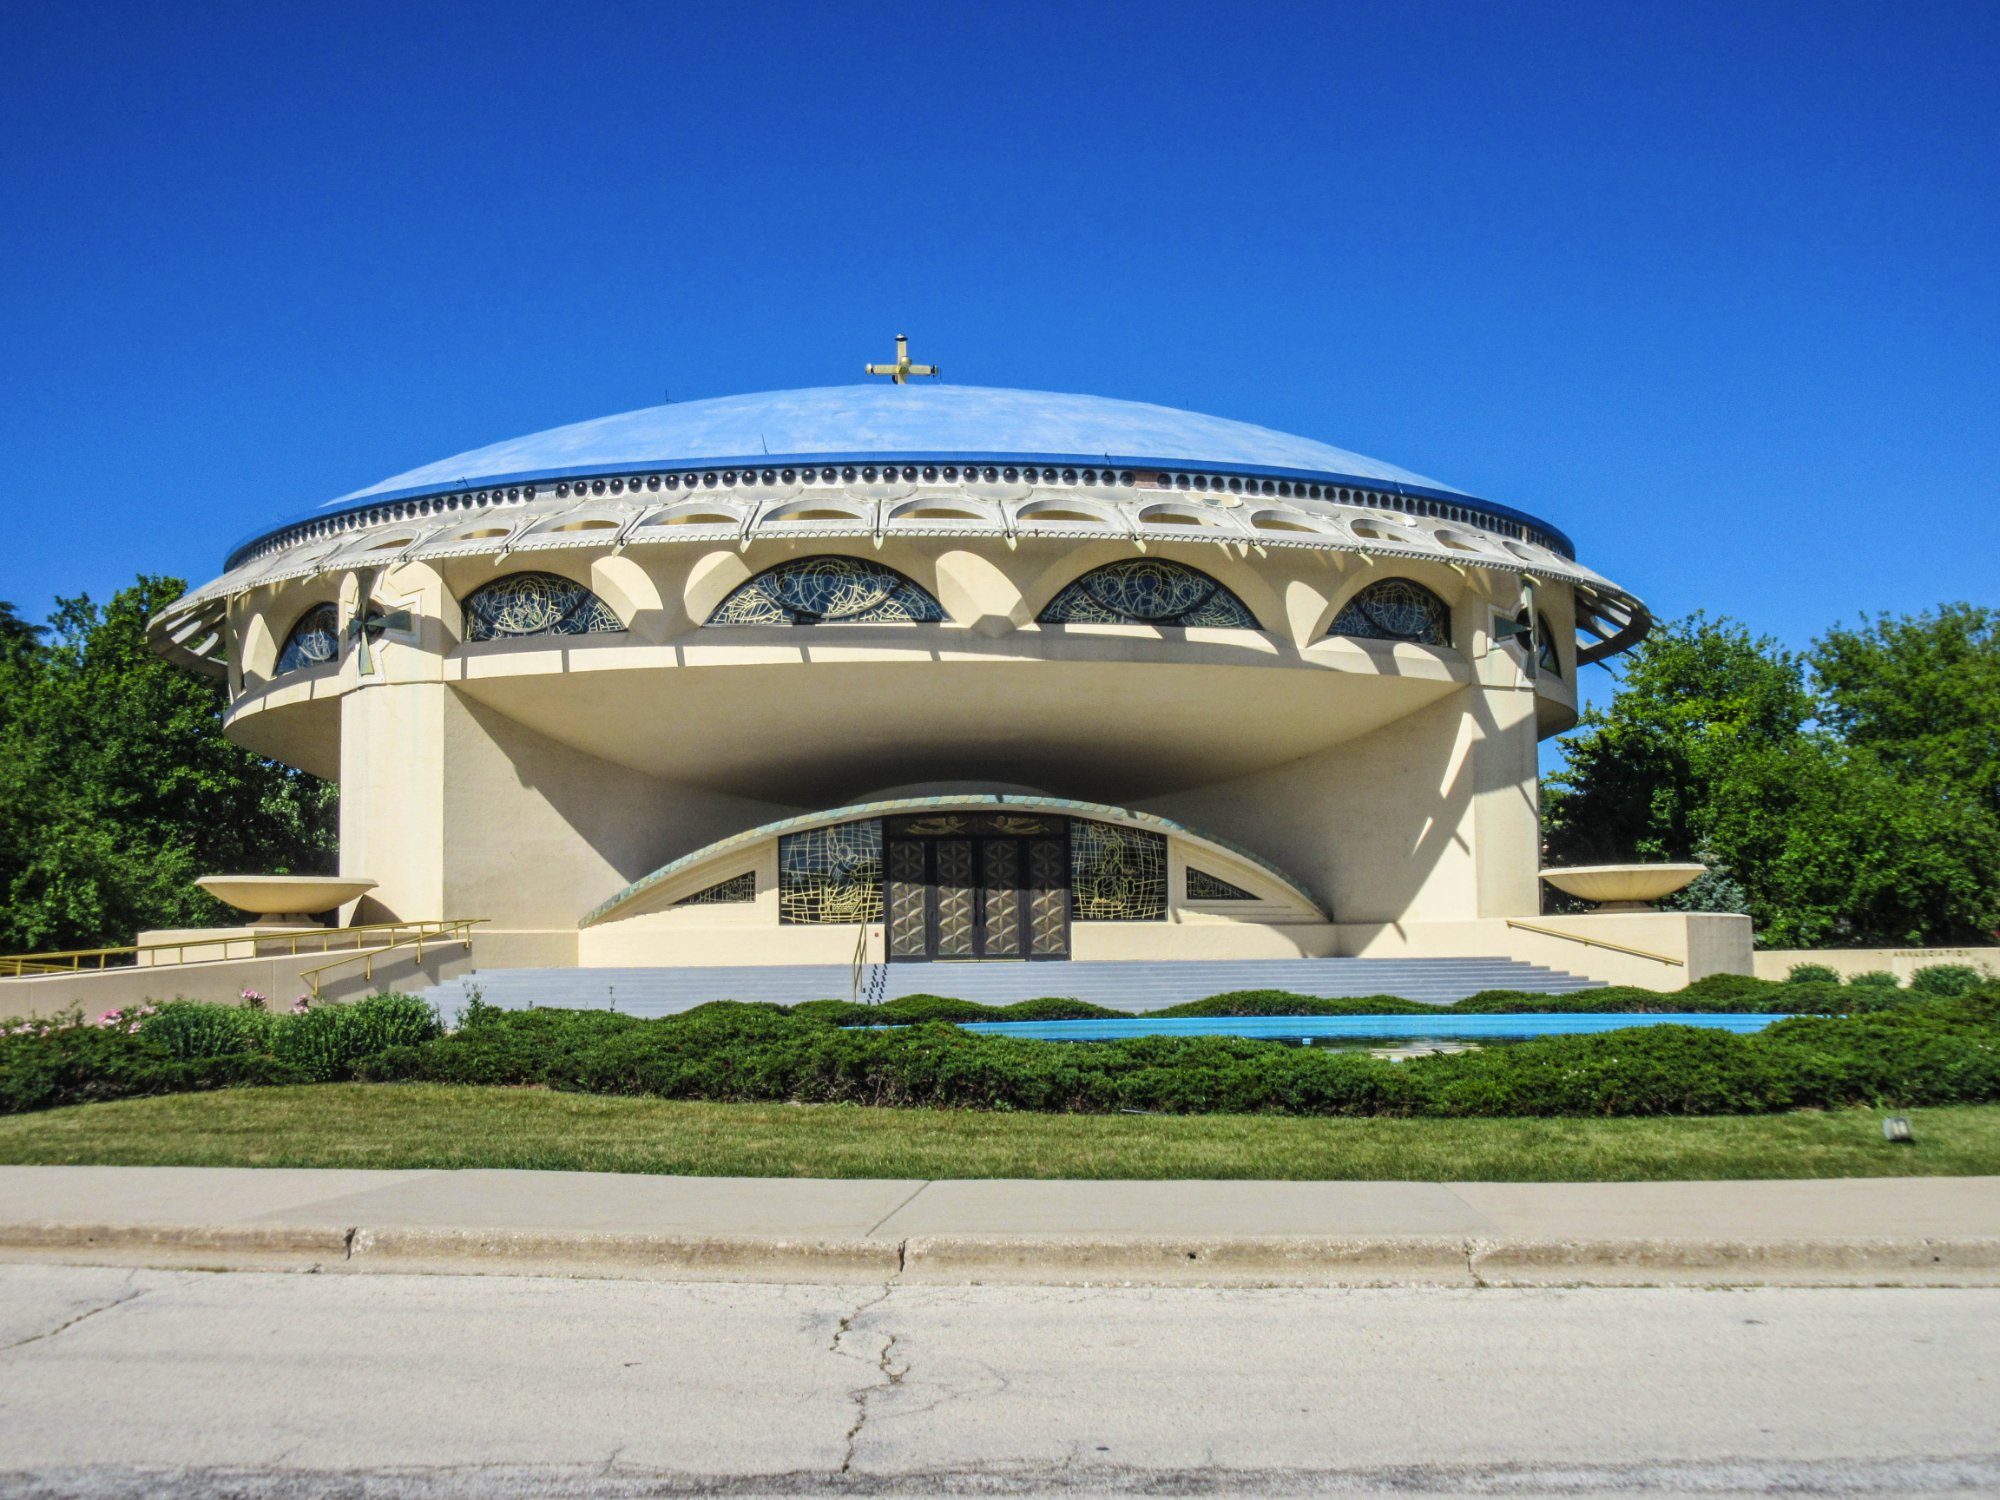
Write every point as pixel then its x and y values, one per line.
pixel 1404 1035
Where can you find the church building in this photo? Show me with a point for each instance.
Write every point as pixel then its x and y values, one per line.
pixel 920 673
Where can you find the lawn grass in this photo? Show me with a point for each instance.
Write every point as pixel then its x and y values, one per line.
pixel 436 1125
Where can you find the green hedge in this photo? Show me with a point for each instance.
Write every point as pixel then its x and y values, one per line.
pixel 186 1046
pixel 1905 1051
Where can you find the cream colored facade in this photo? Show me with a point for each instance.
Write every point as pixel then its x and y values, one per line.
pixel 1363 796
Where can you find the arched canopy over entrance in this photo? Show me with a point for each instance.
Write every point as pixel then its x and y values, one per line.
pixel 985 875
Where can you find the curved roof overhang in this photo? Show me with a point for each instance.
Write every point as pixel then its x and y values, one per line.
pixel 1099 812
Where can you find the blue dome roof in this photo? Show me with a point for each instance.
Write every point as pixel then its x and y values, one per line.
pixel 835 423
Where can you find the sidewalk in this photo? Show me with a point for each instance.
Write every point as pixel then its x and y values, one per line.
pixel 1934 1231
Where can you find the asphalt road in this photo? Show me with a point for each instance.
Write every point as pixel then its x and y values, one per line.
pixel 155 1383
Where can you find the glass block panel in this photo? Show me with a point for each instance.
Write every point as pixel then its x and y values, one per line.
pixel 1147 591
pixel 828 591
pixel 1395 610
pixel 737 888
pixel 314 641
pixel 1202 886
pixel 529 604
pixel 831 874
pixel 1116 874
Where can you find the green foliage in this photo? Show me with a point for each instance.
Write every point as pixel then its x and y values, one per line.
pixel 324 1043
pixel 913 1008
pixel 1946 979
pixel 117 788
pixel 1875 979
pixel 186 1030
pixel 1843 1046
pixel 1850 796
pixel 1930 1052
pixel 1812 974
pixel 1921 693
pixel 1281 1003
pixel 72 1062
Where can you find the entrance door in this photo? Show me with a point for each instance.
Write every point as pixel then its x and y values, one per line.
pixel 977 895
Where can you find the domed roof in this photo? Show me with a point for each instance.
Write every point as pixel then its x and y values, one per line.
pixel 955 422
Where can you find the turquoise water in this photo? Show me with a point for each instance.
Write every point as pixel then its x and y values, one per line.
pixel 1448 1027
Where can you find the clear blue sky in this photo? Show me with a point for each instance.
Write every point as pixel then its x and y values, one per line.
pixel 1712 286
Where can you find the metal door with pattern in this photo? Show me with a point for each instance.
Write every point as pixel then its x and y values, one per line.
pixel 977 897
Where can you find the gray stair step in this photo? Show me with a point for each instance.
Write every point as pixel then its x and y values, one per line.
pixel 1131 986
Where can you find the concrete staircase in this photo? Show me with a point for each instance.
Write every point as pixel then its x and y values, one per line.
pixel 1134 986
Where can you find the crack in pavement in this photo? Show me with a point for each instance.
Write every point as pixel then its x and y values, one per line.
pixel 870 1230
pixel 890 1377
pixel 131 1293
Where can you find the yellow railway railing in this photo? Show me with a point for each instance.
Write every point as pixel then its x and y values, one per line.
pixel 455 930
pixel 1591 942
pixel 225 947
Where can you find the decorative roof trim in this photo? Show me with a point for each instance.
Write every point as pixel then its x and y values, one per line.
pixel 1100 811
pixel 1130 474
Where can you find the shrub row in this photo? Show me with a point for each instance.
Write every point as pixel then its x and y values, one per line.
pixel 1719 992
pixel 1934 1052
pixel 1914 1051
pixel 185 1046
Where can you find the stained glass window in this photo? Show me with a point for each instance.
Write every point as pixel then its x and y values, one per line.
pixel 1116 874
pixel 1202 886
pixel 1395 610
pixel 827 591
pixel 1147 591
pixel 314 641
pixel 525 604
pixel 737 888
pixel 831 874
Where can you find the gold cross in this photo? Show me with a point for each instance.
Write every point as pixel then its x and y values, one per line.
pixel 902 369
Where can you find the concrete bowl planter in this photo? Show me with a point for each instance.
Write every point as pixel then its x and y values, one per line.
pixel 287 896
pixel 1623 887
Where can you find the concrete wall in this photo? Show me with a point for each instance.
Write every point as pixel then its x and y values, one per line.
pixel 1776 963
pixel 1705 943
pixel 525 781
pixel 279 976
pixel 1673 949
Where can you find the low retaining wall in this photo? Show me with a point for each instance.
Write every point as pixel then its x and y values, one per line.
pixel 1704 943
pixel 1776 963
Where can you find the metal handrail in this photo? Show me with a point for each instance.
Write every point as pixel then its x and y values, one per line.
pixel 1591 942
pixel 860 964
pixel 322 939
pixel 449 930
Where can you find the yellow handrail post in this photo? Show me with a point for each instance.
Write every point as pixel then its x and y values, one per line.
pixel 1591 942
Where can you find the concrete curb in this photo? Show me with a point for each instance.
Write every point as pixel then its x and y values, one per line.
pixel 716 1257
pixel 1247 1260
pixel 251 1245
pixel 1933 1261
pixel 961 1259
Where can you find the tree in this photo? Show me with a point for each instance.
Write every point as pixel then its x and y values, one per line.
pixel 1922 692
pixel 17 637
pixel 1840 818
pixel 1698 697
pixel 118 789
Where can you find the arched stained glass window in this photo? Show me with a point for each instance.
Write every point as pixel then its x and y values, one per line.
pixel 1395 610
pixel 526 604
pixel 314 641
pixel 1147 591
pixel 828 591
